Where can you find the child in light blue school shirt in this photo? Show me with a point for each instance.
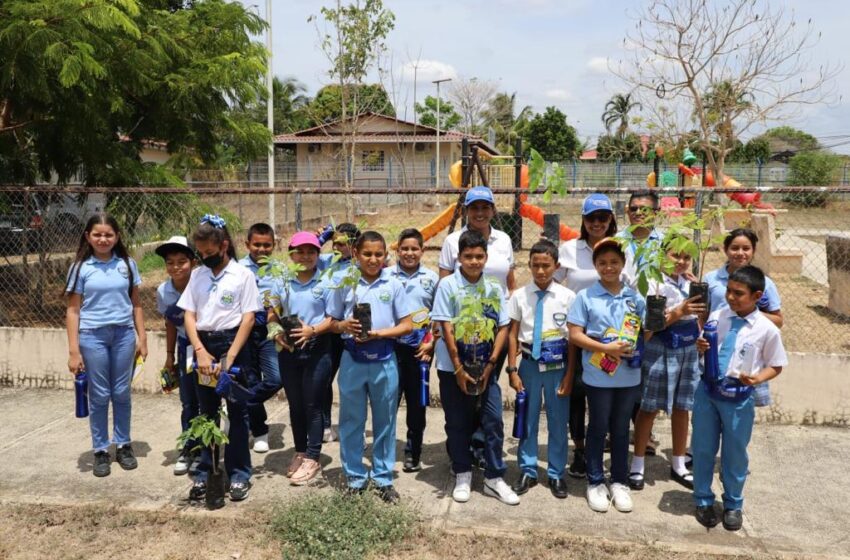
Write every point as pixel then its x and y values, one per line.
pixel 447 307
pixel 598 310
pixel 103 285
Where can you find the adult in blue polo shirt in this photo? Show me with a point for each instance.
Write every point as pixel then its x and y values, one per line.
pixel 104 318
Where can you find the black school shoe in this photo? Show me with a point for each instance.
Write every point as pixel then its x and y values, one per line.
pixel 411 463
pixel 101 464
pixel 578 468
pixel 707 516
pixel 686 480
pixel 558 487
pixel 389 494
pixel 239 491
pixel 198 491
pixel 732 519
pixel 124 456
pixel 523 484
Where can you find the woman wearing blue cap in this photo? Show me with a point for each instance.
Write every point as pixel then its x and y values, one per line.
pixel 480 211
pixel 577 273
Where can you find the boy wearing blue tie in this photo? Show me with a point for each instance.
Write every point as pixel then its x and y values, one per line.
pixel 750 353
pixel 538 330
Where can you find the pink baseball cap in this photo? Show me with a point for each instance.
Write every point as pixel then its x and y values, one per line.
pixel 304 238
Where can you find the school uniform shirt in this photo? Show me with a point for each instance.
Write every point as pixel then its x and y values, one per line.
pixel 556 305
pixel 326 259
pixel 576 270
pixel 757 345
pixel 420 288
pixel 675 290
pixel 265 287
pixel 717 281
pixel 630 248
pixel 597 310
pixel 219 301
pixel 447 307
pixel 500 256
pixel 166 303
pixel 309 300
pixel 385 296
pixel 105 290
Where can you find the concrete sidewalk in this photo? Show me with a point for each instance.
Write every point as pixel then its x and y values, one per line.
pixel 797 496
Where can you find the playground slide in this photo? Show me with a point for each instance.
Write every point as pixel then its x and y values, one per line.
pixel 535 214
pixel 744 199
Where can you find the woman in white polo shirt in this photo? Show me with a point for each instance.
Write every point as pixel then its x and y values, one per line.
pixel 480 211
pixel 220 301
pixel 577 273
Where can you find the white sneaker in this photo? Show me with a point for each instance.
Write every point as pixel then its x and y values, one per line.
pixel 498 488
pixel 181 467
pixel 463 487
pixel 621 497
pixel 261 444
pixel 598 498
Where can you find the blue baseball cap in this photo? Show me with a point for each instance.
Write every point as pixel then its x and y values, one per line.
pixel 595 203
pixel 479 193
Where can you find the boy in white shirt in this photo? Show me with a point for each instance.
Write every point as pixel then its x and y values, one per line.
pixel 750 352
pixel 538 331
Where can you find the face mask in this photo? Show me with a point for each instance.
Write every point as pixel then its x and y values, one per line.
pixel 212 261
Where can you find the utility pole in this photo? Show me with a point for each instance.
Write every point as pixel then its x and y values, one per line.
pixel 270 112
pixel 438 82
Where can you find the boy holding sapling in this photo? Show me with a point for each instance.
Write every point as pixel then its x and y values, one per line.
pixel 260 244
pixel 473 319
pixel 370 311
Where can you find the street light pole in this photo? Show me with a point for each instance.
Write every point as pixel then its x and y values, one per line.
pixel 438 82
pixel 270 112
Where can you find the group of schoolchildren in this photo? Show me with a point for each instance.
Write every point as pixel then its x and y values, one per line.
pixel 222 312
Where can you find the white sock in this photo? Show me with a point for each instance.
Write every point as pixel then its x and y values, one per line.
pixel 679 465
pixel 637 464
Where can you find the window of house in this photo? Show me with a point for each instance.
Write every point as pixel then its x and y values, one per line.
pixel 372 160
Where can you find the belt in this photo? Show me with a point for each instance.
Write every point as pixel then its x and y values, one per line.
pixel 219 334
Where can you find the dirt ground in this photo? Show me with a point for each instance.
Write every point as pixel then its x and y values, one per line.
pixel 35 532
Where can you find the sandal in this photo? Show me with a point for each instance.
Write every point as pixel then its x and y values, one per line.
pixel 636 480
pixel 686 480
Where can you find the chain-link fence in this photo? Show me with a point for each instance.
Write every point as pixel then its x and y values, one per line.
pixel 803 241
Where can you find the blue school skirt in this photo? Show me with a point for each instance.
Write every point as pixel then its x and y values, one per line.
pixel 670 376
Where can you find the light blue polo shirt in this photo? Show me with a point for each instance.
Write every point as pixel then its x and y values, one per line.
pixel 446 307
pixel 105 290
pixel 420 288
pixel 386 296
pixel 596 309
pixel 309 300
pixel 166 303
pixel 265 285
pixel 325 260
pixel 718 280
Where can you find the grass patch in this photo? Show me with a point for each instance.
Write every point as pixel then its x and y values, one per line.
pixel 150 262
pixel 339 526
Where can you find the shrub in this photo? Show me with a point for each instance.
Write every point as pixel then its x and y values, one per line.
pixel 340 526
pixel 812 168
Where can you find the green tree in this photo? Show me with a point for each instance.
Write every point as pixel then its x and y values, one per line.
pixel 756 149
pixel 784 138
pixel 812 168
pixel 618 109
pixel 613 148
pixel 509 124
pixel 290 102
pixel 85 83
pixel 327 105
pixel 352 43
pixel 551 135
pixel 427 113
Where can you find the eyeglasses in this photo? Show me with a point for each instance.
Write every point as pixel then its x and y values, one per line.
pixel 636 209
pixel 598 217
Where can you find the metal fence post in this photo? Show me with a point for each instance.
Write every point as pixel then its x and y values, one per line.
pixel 298 211
pixel 575 172
pixel 759 164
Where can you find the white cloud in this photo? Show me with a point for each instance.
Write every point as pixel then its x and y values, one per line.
pixel 559 94
pixel 427 71
pixel 598 65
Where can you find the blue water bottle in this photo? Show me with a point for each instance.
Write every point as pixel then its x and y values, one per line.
pixel 424 386
pixel 712 365
pixel 81 395
pixel 520 410
pixel 326 234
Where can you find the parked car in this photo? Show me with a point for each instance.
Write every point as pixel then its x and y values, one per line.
pixel 30 222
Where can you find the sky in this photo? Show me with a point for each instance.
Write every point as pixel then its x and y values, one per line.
pixel 549 52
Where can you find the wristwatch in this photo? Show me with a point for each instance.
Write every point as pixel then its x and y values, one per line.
pixel 511 369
